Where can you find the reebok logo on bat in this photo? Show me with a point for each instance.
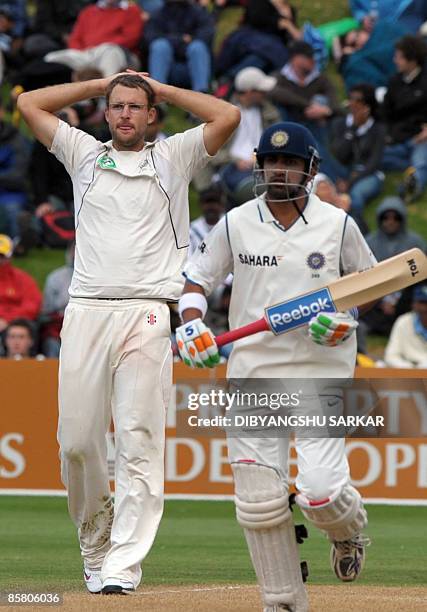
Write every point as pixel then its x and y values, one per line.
pixel 412 266
pixel 297 312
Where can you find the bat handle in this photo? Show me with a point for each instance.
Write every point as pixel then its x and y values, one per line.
pixel 242 332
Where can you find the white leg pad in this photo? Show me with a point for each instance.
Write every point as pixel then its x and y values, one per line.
pixel 262 509
pixel 341 516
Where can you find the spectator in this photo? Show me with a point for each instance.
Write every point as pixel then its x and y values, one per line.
pixel 405 113
pixel 251 87
pixel 19 339
pixel 6 38
pixel 14 160
pixel 151 6
pixel 19 295
pixel 391 238
pixel 55 299
pixel 179 37
pixel 212 202
pixel 105 37
pixel 357 142
pixel 407 347
pixel 267 29
pixel 307 96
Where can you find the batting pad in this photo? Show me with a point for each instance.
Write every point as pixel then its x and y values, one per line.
pixel 341 516
pixel 262 509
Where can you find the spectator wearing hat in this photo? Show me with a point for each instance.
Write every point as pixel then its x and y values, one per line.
pixel 391 237
pixel 251 87
pixel 179 39
pixel 306 95
pixel 19 295
pixel 212 203
pixel 407 347
pixel 357 142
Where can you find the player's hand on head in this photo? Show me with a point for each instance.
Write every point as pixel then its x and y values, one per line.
pixel 156 86
pixel 331 329
pixel 196 345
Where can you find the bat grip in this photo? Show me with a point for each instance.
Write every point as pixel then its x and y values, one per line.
pixel 242 332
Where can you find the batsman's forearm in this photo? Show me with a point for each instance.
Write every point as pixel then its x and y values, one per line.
pixel 53 99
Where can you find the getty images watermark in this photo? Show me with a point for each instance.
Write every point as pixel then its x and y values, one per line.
pixel 246 410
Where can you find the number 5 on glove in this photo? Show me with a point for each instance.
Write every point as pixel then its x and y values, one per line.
pixel 196 345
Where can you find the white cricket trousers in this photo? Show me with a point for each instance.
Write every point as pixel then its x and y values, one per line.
pixel 115 361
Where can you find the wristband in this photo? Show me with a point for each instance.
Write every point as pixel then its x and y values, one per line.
pixel 193 300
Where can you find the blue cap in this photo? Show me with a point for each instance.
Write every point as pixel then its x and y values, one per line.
pixel 287 138
pixel 420 293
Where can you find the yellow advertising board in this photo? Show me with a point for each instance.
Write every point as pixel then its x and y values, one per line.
pixel 384 469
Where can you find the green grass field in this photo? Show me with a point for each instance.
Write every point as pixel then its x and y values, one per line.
pixel 198 543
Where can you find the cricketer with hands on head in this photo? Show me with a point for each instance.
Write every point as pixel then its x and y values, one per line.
pixel 284 243
pixel 132 225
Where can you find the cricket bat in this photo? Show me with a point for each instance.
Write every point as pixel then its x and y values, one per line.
pixel 393 274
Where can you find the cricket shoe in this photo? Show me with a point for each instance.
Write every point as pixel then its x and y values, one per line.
pixel 113 586
pixel 348 557
pixel 92 580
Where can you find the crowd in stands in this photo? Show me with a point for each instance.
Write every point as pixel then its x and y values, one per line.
pixel 361 90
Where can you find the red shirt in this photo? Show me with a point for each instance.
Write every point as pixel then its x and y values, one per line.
pixel 19 295
pixel 96 25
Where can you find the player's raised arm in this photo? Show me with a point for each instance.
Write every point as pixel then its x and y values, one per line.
pixel 38 107
pixel 221 117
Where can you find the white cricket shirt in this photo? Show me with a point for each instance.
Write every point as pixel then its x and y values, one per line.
pixel 131 212
pixel 270 265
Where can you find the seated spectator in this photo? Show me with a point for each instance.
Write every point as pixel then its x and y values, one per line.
pixel 19 295
pixel 257 113
pixel 407 347
pixel 212 203
pixel 14 160
pixel 105 37
pixel 55 299
pixel 405 113
pixel 409 13
pixel 268 28
pixel 151 6
pixel 391 238
pixel 349 43
pixel 357 142
pixel 179 39
pixel 19 340
pixel 307 96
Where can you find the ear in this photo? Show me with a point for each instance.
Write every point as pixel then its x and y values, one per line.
pixel 106 115
pixel 152 114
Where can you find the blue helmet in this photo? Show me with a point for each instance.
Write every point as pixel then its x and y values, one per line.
pixel 288 138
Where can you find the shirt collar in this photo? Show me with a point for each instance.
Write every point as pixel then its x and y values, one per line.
pixel 147 145
pixel 362 129
pixel 265 214
pixel 408 78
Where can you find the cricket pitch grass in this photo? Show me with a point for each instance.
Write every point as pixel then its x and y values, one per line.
pixel 199 561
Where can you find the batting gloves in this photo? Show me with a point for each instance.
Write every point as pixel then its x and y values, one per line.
pixel 331 329
pixel 196 345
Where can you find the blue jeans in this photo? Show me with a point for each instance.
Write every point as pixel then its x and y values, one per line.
pixel 196 71
pixel 11 210
pixel 363 190
pixel 400 156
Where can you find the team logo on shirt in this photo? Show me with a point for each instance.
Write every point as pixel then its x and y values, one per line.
pixel 316 260
pixel 260 260
pixel 106 163
pixel 151 319
pixel 279 139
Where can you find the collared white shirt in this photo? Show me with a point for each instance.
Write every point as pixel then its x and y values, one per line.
pixel 131 212
pixel 271 265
